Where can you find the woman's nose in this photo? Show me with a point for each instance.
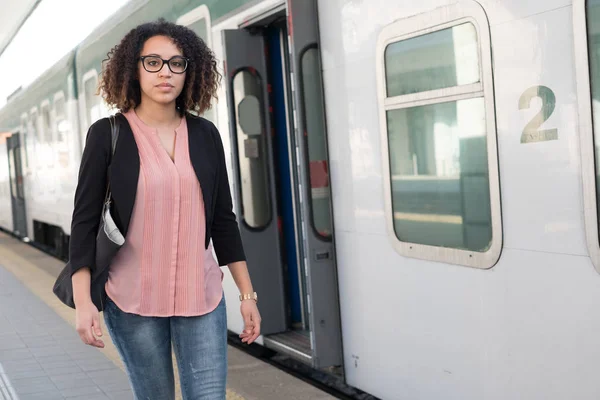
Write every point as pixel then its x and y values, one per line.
pixel 165 71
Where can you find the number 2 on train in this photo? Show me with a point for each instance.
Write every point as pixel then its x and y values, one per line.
pixel 531 132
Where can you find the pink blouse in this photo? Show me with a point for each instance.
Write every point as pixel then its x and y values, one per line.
pixel 163 269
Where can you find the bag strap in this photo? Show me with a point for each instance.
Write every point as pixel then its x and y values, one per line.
pixel 114 133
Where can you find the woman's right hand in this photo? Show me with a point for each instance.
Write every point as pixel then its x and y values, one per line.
pixel 87 318
pixel 87 321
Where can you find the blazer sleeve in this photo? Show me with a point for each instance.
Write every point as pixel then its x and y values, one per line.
pixel 89 196
pixel 227 241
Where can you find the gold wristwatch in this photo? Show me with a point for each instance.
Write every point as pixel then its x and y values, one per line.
pixel 249 296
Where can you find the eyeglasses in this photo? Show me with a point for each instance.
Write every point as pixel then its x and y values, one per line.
pixel 177 64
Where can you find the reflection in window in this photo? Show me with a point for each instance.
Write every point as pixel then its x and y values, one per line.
pixel 593 27
pixel 252 151
pixel 439 174
pixel 438 151
pixel 317 146
pixel 437 60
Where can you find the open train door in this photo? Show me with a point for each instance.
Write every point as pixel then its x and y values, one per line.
pixel 17 192
pixel 313 161
pixel 250 128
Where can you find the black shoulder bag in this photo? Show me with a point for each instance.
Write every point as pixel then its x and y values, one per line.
pixel 108 241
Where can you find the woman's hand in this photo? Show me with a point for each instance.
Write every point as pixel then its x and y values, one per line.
pixel 251 318
pixel 88 323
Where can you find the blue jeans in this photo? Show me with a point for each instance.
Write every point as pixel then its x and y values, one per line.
pixel 144 344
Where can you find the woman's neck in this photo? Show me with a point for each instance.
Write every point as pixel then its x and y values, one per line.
pixel 157 115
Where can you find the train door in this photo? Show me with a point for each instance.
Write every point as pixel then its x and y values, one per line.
pixel 281 178
pixel 17 192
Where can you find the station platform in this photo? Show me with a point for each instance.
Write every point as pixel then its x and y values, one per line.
pixel 42 357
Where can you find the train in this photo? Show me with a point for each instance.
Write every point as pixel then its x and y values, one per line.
pixel 416 183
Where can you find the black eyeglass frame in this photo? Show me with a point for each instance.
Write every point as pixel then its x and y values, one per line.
pixel 163 61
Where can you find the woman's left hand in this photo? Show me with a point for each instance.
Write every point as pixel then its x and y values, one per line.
pixel 251 318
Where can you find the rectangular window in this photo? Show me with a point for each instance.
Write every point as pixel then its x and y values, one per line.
pixel 13 174
pixel 35 132
pixel 46 135
pixel 62 127
pixel 252 150
pixel 410 67
pixel 312 89
pixel 93 102
pixel 198 20
pixel 439 136
pixel 25 136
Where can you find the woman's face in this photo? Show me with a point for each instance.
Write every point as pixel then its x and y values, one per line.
pixel 161 85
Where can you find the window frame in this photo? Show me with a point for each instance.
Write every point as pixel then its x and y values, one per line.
pixel 466 11
pixel 586 130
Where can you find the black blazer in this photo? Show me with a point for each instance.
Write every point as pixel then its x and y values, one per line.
pixel 208 160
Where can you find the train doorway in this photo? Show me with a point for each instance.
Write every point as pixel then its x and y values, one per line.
pixel 17 192
pixel 275 97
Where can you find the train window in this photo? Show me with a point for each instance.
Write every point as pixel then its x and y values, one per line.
pixel 93 102
pixel 200 28
pixel 586 23
pixel 439 136
pixel 34 124
pixel 62 126
pixel 18 168
pixel 46 132
pixel 410 68
pixel 25 135
pixel 13 175
pixel 251 150
pixel 317 146
pixel 59 106
pixel 198 20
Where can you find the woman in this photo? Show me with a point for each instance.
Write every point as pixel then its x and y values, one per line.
pixel 170 197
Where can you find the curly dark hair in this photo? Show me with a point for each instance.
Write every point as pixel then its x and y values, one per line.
pixel 119 84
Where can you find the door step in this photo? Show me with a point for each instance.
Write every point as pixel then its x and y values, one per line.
pixel 293 343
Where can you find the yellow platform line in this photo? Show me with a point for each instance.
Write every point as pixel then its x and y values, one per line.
pixel 40 283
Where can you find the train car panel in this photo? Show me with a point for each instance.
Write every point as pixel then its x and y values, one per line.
pixel 536 108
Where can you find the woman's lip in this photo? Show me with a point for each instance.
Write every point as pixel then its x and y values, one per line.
pixel 165 85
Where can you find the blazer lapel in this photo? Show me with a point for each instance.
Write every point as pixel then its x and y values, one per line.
pixel 204 161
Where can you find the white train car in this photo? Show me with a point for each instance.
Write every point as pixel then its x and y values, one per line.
pixel 415 183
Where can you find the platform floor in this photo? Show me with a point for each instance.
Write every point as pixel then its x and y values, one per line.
pixel 42 357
